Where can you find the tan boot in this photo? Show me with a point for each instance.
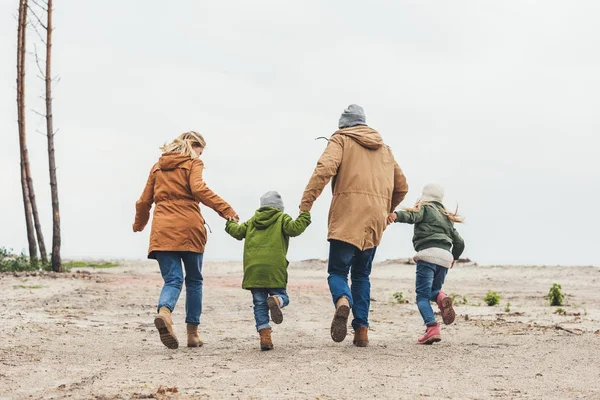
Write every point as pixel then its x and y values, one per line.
pixel 193 337
pixel 361 336
pixel 339 325
pixel 164 324
pixel 275 309
pixel 265 339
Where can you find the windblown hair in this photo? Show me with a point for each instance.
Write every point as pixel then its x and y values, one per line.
pixel 452 216
pixel 184 144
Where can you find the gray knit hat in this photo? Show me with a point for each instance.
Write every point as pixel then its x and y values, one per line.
pixel 352 116
pixel 271 199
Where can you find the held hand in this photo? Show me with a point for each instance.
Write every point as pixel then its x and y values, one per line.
pixel 452 266
pixel 234 218
pixel 392 218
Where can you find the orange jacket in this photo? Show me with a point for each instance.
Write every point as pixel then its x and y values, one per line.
pixel 367 185
pixel 175 185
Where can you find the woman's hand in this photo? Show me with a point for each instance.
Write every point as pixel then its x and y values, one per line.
pixel 392 218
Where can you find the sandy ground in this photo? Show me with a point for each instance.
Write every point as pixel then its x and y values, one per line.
pixel 91 336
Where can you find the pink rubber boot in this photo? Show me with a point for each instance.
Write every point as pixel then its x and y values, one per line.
pixel 432 335
pixel 444 302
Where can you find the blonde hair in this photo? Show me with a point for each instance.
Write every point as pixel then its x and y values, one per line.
pixel 452 216
pixel 184 144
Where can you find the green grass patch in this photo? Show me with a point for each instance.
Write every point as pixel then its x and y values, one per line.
pixel 84 264
pixel 28 287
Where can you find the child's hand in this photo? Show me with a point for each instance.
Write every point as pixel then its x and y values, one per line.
pixel 392 218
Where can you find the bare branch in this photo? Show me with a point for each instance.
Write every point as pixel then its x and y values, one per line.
pixel 40 5
pixel 37 18
pixel 37 62
pixel 39 35
pixel 38 113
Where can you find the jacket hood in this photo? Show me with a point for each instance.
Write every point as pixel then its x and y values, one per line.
pixel 363 135
pixel 266 216
pixel 170 161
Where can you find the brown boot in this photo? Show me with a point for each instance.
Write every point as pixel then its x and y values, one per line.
pixel 193 337
pixel 275 309
pixel 164 324
pixel 339 325
pixel 361 336
pixel 265 339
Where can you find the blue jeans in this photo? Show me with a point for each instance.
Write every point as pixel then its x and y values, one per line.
pixel 430 278
pixel 172 273
pixel 345 258
pixel 261 310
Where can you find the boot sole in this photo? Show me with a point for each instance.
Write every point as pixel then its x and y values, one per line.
pixel 166 337
pixel 339 325
pixel 360 343
pixel 432 340
pixel 448 314
pixel 275 310
pixel 194 345
pixel 265 347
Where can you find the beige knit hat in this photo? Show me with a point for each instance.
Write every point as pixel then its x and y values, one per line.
pixel 433 192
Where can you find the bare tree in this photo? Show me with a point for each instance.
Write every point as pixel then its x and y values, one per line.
pixel 56 260
pixel 21 51
pixel 45 6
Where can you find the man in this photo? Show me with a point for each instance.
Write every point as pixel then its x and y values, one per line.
pixel 367 185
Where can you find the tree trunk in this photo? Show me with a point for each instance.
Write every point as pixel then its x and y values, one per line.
pixel 56 260
pixel 21 45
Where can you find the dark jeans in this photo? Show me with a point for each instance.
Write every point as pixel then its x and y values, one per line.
pixel 261 310
pixel 345 258
pixel 430 278
pixel 172 273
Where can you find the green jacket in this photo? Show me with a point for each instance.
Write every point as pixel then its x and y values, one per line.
pixel 267 236
pixel 433 229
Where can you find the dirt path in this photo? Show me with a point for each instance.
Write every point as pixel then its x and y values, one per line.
pixel 91 336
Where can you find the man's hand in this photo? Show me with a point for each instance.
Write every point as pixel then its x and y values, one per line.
pixel 392 218
pixel 452 266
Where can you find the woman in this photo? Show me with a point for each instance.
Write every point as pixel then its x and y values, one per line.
pixel 178 234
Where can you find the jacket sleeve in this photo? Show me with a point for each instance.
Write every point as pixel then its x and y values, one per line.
pixel 400 187
pixel 144 204
pixel 237 231
pixel 327 167
pixel 458 244
pixel 296 228
pixel 206 196
pixel 410 217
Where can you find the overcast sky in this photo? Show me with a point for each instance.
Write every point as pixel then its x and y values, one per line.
pixel 498 101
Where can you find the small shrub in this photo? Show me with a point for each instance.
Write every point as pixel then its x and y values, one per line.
pixel 555 295
pixel 399 297
pixel 492 298
pixel 560 311
pixel 507 307
pixel 14 263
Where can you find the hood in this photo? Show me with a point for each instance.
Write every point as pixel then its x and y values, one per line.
pixel 170 161
pixel 265 217
pixel 363 135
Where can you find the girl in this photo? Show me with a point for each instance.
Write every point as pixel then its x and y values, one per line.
pixel 267 236
pixel 438 246
pixel 176 186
